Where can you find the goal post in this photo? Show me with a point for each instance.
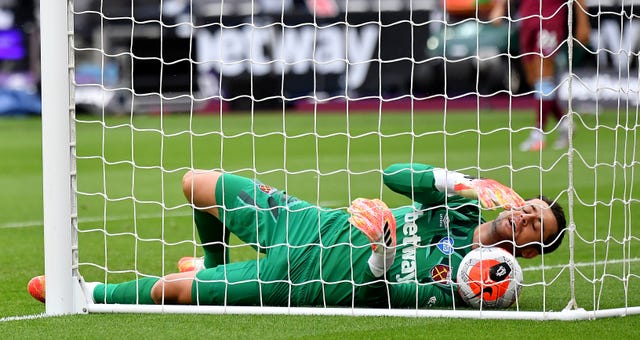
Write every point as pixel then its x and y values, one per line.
pixel 318 102
pixel 58 166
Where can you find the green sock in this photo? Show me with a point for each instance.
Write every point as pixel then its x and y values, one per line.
pixel 132 292
pixel 210 230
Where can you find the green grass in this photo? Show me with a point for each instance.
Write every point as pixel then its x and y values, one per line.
pixel 328 159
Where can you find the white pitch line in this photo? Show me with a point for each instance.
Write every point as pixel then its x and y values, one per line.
pixel 30 224
pixel 21 224
pixel 24 317
pixel 582 264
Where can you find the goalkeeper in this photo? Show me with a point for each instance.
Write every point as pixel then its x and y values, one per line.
pixel 370 256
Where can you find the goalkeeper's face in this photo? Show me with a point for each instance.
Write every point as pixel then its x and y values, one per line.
pixel 525 227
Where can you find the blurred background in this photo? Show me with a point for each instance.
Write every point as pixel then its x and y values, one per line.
pixel 210 55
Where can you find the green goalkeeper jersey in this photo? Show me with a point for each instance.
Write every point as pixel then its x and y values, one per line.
pixel 433 237
pixel 314 256
pixel 433 234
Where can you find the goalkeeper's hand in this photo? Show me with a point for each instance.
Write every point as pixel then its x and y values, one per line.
pixel 376 221
pixel 488 192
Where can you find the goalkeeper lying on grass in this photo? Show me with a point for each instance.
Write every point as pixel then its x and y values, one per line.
pixel 369 256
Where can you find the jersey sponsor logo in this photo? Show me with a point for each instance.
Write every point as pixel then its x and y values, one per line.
pixel 445 245
pixel 440 273
pixel 409 243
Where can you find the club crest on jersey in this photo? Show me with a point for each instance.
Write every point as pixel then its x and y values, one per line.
pixel 441 274
pixel 266 189
pixel 445 245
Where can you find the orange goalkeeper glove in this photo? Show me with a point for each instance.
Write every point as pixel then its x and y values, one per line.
pixel 490 193
pixel 376 221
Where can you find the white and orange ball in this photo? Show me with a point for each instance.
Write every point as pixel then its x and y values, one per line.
pixel 489 277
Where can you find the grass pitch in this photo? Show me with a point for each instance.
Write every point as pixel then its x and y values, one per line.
pixel 129 172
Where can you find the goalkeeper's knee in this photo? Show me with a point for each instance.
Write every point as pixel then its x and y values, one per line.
pixel 173 289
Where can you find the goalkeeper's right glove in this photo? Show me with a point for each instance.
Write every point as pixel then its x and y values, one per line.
pixel 374 219
pixel 488 192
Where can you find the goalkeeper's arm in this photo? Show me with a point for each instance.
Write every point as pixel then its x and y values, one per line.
pixel 488 192
pixel 428 185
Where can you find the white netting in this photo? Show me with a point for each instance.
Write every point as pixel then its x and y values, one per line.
pixel 318 101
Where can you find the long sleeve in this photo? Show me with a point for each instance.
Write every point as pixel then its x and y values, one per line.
pixel 415 181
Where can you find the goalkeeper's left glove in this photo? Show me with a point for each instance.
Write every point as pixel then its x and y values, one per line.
pixel 374 219
pixel 490 193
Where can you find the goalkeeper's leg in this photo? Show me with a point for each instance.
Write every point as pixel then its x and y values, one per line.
pixel 172 289
pixel 247 208
pixel 199 189
pixel 231 284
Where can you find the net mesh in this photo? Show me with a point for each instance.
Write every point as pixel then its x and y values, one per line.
pixel 317 100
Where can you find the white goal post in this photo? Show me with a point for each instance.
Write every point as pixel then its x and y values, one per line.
pixel 166 75
pixel 57 152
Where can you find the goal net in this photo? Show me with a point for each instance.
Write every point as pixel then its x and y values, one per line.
pixel 317 99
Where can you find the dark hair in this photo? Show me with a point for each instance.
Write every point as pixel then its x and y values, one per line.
pixel 553 241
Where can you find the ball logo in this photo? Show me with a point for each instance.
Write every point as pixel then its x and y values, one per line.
pixel 499 272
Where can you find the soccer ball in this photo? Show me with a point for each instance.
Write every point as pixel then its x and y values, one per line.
pixel 490 277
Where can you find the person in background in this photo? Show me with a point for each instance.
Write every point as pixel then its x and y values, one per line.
pixel 543 28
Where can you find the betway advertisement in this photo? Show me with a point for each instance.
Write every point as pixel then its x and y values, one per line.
pixel 366 54
pixel 256 62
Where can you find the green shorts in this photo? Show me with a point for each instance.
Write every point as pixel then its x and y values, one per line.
pixel 286 229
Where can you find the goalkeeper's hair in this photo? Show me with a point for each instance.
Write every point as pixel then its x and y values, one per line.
pixel 553 241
